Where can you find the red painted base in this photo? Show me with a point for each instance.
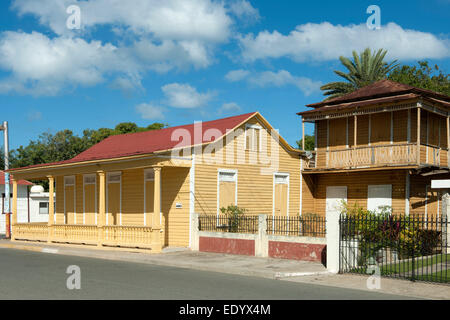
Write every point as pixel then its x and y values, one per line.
pixel 297 251
pixel 230 246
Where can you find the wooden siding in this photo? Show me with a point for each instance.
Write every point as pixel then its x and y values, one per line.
pixel 175 189
pixel 254 189
pixel 133 197
pixel 357 184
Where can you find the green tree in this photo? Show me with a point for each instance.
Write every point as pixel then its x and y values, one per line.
pixel 309 143
pixel 422 76
pixel 64 145
pixel 365 69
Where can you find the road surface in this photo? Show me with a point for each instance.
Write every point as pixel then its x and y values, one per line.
pixel 33 275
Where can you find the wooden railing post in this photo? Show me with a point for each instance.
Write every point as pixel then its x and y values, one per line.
pixel 101 207
pixel 51 207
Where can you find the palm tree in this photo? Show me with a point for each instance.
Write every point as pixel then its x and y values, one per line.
pixel 363 70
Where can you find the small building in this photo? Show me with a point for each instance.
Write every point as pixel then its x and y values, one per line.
pixel 141 190
pixel 32 202
pixel 23 201
pixel 381 145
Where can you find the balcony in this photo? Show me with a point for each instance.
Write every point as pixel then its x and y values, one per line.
pixel 378 156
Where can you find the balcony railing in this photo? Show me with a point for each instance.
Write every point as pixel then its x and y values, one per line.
pixel 121 236
pixel 365 156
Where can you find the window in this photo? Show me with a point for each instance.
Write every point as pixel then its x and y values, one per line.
pixel 114 177
pixel 281 178
pixel 227 176
pixel 89 179
pixel 379 196
pixel 43 207
pixel 253 138
pixel 150 175
pixel 69 181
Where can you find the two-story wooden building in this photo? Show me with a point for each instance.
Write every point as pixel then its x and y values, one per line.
pixel 378 146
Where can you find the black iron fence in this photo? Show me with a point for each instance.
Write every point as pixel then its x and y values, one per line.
pixel 300 226
pixel 409 247
pixel 231 224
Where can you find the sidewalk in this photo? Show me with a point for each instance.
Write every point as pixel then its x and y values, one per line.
pixel 285 270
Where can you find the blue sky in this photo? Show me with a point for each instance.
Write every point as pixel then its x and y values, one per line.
pixel 180 61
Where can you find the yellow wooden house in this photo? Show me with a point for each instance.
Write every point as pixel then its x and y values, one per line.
pixel 141 190
pixel 378 146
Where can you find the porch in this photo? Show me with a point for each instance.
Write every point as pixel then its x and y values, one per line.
pixel 114 207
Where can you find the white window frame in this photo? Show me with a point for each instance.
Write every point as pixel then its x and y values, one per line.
pixel 84 195
pixel 286 175
pixel 235 180
pixel 66 184
pixel 378 186
pixel 253 147
pixel 108 182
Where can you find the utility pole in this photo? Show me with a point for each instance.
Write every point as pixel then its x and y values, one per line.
pixel 6 210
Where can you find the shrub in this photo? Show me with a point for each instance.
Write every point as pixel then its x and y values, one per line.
pixel 234 215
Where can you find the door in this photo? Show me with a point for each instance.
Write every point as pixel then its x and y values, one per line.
pixel 114 199
pixel 90 200
pixel 335 196
pixel 281 190
pixel 379 196
pixel 149 197
pixel 227 189
pixel 69 200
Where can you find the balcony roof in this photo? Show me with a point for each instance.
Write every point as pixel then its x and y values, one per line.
pixel 390 91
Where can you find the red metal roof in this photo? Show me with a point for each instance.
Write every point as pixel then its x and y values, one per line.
pixel 378 89
pixel 20 182
pixel 150 141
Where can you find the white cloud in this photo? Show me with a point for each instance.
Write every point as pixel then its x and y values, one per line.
pixel 39 64
pixel 150 111
pixel 184 96
pixel 203 20
pixel 151 35
pixel 324 41
pixel 275 79
pixel 230 107
pixel 237 75
pixel 244 10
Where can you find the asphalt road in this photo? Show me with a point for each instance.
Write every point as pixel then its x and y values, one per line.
pixel 32 275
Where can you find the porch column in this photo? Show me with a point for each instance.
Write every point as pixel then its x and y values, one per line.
pixel 157 199
pixel 418 136
pixel 51 207
pixel 101 206
pixel 157 232
pixel 303 135
pixel 448 141
pixel 14 209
